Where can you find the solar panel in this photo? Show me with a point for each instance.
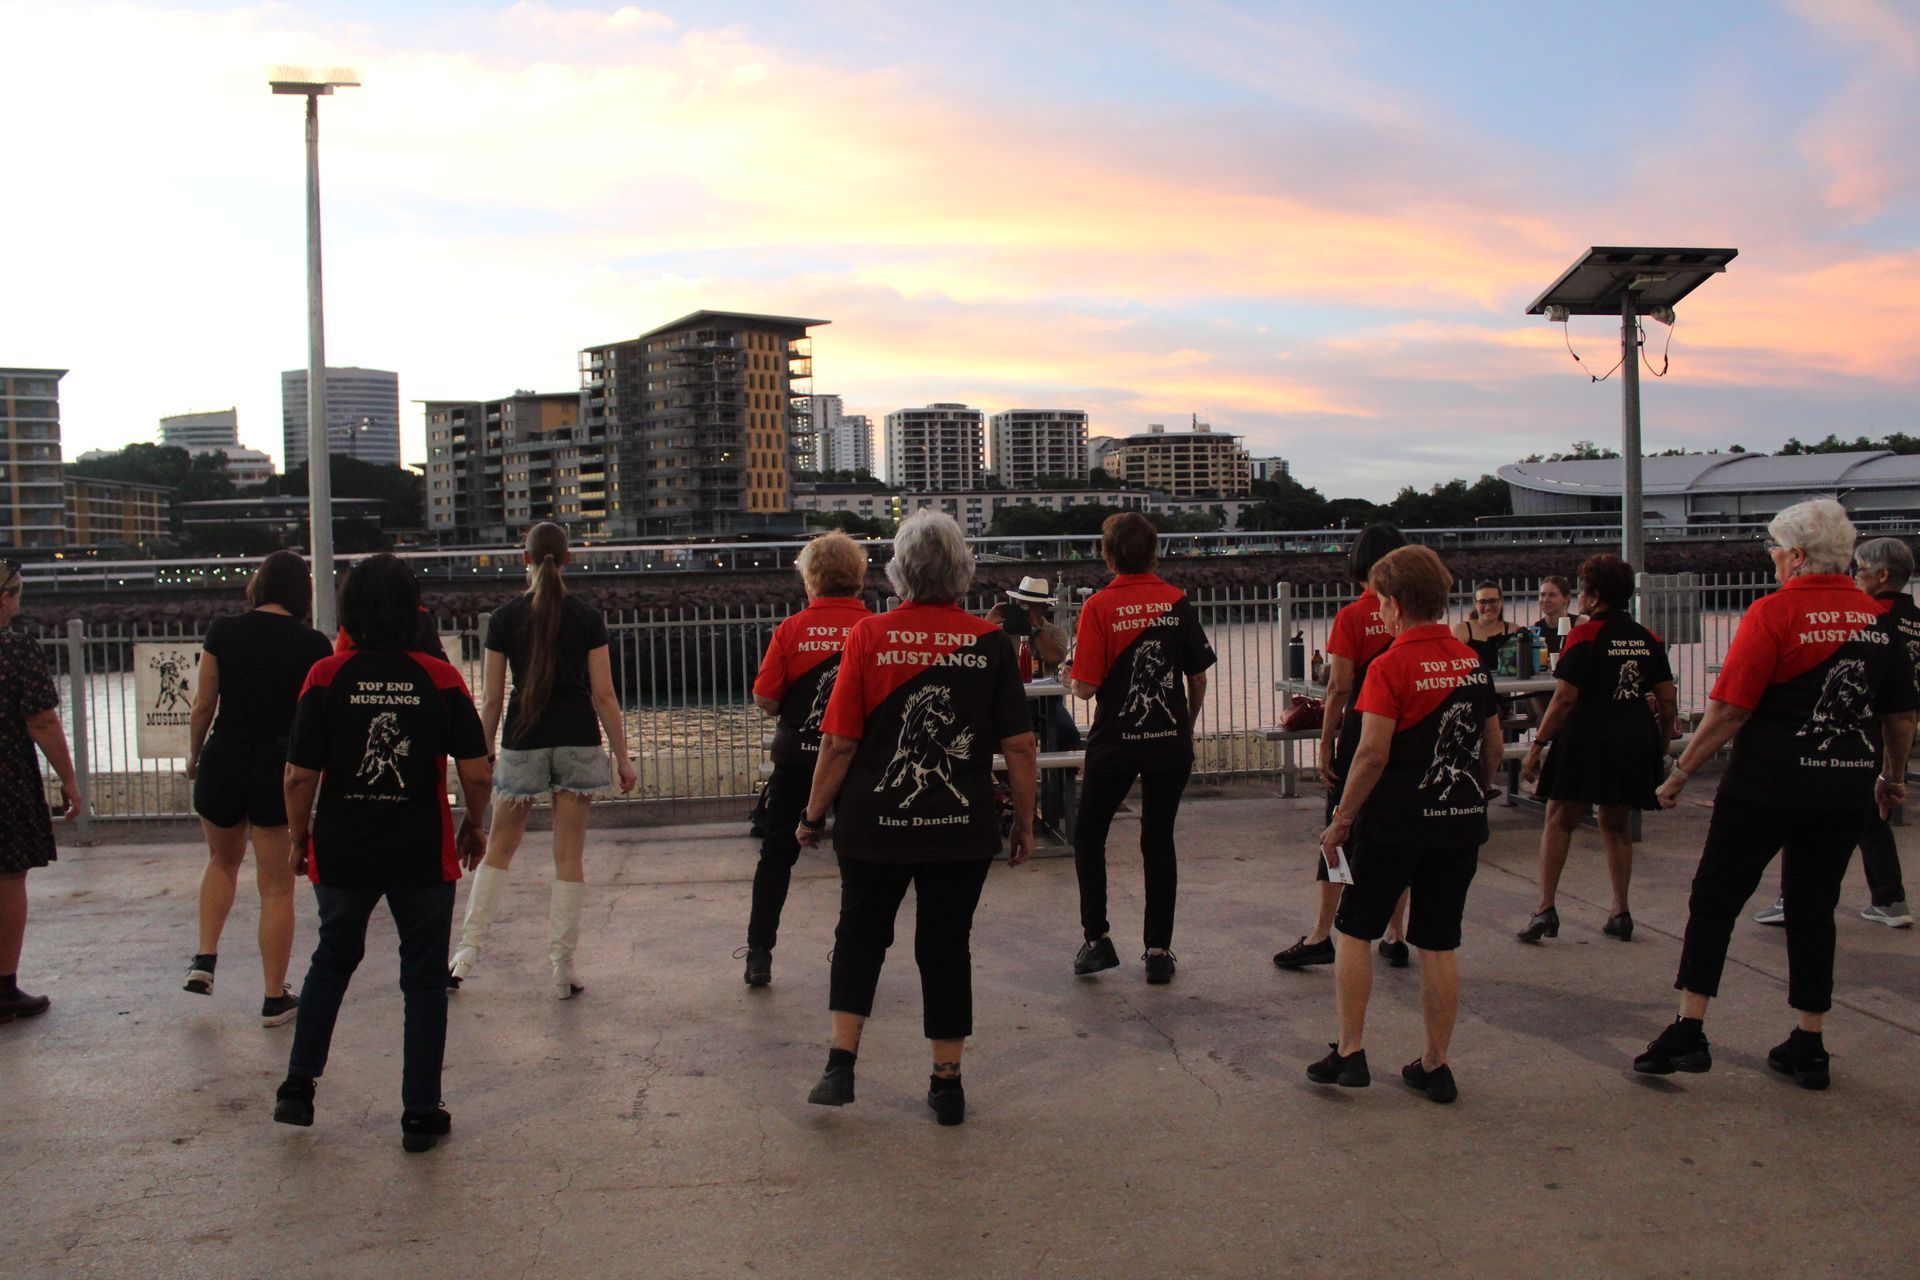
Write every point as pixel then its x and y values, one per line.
pixel 1659 278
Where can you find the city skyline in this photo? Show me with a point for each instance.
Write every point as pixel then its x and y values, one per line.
pixel 1316 231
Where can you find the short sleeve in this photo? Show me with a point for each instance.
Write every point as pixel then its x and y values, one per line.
pixel 216 641
pixel 846 715
pixel 466 739
pixel 1577 663
pixel 1196 653
pixel 307 744
pixel 1380 695
pixel 772 680
pixel 1751 660
pixel 1486 703
pixel 1344 640
pixel 1091 660
pixel 1661 667
pixel 1010 717
pixel 496 640
pixel 36 689
pixel 1896 693
pixel 596 629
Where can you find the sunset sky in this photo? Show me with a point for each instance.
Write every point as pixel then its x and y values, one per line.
pixel 1314 225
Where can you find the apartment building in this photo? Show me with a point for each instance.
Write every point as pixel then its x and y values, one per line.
pixel 1267 470
pixel 218 431
pixel 939 448
pixel 32 504
pixel 842 441
pixel 494 467
pixel 1030 445
pixel 974 511
pixel 363 415
pixel 1197 463
pixel 115 513
pixel 701 421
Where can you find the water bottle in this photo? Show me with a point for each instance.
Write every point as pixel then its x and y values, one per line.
pixel 1523 647
pixel 1297 656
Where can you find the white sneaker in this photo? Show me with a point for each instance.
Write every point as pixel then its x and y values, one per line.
pixel 1894 915
pixel 1775 914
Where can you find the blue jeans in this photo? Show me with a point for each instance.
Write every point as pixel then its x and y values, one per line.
pixel 424 920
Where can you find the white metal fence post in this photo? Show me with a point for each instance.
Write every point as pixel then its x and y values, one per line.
pixel 77 703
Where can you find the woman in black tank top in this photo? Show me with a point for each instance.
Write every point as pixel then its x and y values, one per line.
pixel 1486 630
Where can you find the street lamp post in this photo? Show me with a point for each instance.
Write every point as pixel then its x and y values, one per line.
pixel 312 85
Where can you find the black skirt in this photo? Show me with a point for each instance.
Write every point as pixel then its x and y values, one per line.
pixel 1610 756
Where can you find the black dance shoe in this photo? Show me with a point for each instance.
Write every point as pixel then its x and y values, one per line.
pixel 1679 1048
pixel 1303 953
pixel 419 1130
pixel 1095 956
pixel 1160 967
pixel 1803 1056
pixel 1620 926
pixel 1437 1084
pixel 1545 924
pixel 759 965
pixel 1349 1071
pixel 18 1004
pixel 835 1088
pixel 947 1098
pixel 293 1102
pixel 1395 953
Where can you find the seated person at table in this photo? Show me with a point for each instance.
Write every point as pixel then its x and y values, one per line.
pixel 1040 646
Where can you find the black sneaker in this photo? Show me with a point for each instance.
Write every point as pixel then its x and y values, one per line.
pixel 1545 924
pixel 1348 1071
pixel 947 1098
pixel 1437 1084
pixel 1303 953
pixel 278 1010
pixel 200 975
pixel 419 1130
pixel 835 1088
pixel 1095 956
pixel 1160 967
pixel 759 964
pixel 293 1102
pixel 1396 954
pixel 1678 1048
pixel 1803 1056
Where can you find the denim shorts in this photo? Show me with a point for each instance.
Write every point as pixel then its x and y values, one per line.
pixel 527 775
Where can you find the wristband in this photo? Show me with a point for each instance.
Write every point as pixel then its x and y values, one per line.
pixel 814 826
pixel 1681 773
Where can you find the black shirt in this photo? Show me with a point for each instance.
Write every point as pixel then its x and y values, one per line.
pixel 379 725
pixel 568 719
pixel 264 658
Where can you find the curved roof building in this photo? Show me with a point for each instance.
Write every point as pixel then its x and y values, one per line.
pixel 1722 488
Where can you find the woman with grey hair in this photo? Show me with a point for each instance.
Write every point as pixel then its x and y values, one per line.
pixel 1820 712
pixel 924 695
pixel 1882 569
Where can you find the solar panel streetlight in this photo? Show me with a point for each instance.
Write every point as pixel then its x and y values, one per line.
pixel 312 85
pixel 1630 282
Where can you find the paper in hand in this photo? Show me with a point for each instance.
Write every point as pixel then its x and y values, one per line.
pixel 1338 872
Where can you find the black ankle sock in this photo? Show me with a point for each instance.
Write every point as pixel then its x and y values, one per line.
pixel 1692 1024
pixel 945 1084
pixel 206 962
pixel 7 984
pixel 840 1058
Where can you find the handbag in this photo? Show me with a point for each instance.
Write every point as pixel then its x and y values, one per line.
pixel 1303 713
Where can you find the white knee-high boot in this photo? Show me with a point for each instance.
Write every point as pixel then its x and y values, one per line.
pixel 482 901
pixel 563 935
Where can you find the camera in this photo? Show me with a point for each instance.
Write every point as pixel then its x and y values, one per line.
pixel 1014 620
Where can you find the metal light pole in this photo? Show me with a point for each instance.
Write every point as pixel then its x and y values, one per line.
pixel 1633 523
pixel 319 470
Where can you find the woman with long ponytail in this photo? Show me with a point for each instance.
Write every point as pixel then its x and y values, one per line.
pixel 556 646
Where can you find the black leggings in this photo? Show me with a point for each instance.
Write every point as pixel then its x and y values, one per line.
pixel 1100 795
pixel 944 898
pixel 1741 841
pixel 787 792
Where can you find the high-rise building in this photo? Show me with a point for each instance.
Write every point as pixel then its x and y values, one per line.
pixel 115 513
pixel 1034 444
pixel 1267 470
pixel 1098 449
pixel 935 449
pixel 363 415
pixel 1183 464
pixel 32 503
pixel 216 430
pixel 702 420
pixel 494 467
pixel 842 441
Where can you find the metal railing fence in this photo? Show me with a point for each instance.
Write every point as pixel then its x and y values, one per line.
pixel 685 680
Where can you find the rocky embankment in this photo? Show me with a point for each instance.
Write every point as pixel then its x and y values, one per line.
pixel 713 592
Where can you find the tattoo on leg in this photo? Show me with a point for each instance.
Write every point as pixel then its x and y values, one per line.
pixel 948 1069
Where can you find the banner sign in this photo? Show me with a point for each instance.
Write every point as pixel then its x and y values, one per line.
pixel 164 678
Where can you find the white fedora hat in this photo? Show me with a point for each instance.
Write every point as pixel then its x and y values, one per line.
pixel 1032 591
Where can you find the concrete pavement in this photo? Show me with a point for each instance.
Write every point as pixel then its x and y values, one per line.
pixel 656 1126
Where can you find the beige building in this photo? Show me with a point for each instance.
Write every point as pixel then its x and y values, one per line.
pixel 1197 463
pixel 32 507
pixel 1030 445
pixel 115 513
pixel 494 467
pixel 939 448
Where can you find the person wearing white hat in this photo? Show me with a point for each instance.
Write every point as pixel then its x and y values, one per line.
pixel 1042 642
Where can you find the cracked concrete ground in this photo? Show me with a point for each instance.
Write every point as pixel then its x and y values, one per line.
pixel 656 1126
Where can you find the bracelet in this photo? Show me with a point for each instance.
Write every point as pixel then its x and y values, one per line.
pixel 1681 773
pixel 1341 817
pixel 813 826
pixel 1890 782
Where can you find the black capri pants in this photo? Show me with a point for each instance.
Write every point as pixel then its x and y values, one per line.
pixel 787 792
pixel 945 895
pixel 1814 845
pixel 1437 877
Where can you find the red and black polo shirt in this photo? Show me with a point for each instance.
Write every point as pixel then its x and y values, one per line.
pixel 1139 638
pixel 378 725
pixel 1433 689
pixel 1817 668
pixel 929 691
pixel 1359 636
pixel 1612 659
pixel 799 671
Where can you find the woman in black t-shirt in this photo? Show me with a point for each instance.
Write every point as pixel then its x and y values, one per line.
pixel 249 682
pixel 562 697
pixel 1486 630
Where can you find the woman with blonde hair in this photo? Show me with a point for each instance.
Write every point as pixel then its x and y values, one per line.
pixel 796 679
pixel 556 646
